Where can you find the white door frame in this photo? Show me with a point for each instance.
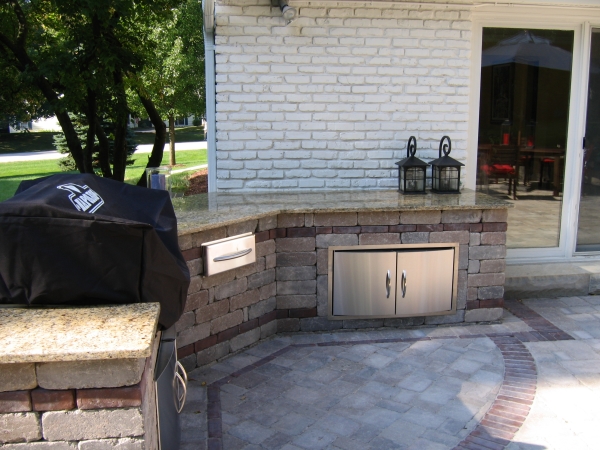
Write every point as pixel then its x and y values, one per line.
pixel 542 18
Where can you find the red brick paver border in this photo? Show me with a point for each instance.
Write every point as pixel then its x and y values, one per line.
pixel 512 404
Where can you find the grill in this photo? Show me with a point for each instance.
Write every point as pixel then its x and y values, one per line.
pixel 85 240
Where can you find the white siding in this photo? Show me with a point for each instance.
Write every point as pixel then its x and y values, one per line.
pixel 330 100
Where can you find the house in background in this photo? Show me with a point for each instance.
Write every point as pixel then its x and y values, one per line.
pixel 47 124
pixel 327 98
pixel 51 124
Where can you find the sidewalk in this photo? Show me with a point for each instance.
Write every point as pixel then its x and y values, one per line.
pixel 529 383
pixel 53 154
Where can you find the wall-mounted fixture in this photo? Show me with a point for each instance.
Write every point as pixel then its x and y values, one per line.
pixel 288 12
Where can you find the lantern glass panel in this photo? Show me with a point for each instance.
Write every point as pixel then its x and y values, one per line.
pixel 415 179
pixel 448 178
pixel 435 181
pixel 401 179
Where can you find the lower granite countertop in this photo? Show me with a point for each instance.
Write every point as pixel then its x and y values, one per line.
pixel 50 334
pixel 207 211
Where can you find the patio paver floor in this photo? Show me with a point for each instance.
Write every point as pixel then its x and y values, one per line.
pixel 531 382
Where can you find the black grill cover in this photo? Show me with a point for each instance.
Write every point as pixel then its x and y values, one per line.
pixel 86 240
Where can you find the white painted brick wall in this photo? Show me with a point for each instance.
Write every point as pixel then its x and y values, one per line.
pixel 330 100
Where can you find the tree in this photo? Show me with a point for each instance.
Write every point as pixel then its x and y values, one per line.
pixel 24 50
pixel 83 57
pixel 19 101
pixel 175 77
pixel 81 127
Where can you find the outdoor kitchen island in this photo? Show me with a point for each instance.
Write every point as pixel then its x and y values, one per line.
pixel 286 289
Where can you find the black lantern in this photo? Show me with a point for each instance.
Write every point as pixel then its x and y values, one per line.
pixel 412 171
pixel 445 174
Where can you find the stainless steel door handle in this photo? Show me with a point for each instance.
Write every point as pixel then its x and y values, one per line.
pixel 182 371
pixel 233 255
pixel 403 283
pixel 181 386
pixel 181 395
pixel 388 281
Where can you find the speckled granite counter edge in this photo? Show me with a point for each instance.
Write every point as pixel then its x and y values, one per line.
pixel 23 339
pixel 191 219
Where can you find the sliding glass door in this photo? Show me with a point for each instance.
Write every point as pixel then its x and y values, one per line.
pixel 525 91
pixel 588 229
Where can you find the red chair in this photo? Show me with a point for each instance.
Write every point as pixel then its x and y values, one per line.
pixel 502 164
pixel 546 164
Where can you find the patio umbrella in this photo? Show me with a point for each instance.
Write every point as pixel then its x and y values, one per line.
pixel 527 48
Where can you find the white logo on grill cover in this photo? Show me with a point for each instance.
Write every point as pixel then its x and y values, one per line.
pixel 83 198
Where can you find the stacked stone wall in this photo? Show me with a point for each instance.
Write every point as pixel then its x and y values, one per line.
pixel 286 289
pixel 79 405
pixel 230 310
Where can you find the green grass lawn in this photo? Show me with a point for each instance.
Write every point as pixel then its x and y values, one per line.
pixel 188 158
pixel 183 134
pixel 11 174
pixel 43 140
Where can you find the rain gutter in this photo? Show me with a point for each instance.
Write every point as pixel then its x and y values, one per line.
pixel 208 7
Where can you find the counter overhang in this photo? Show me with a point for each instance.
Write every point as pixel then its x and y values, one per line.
pixel 207 211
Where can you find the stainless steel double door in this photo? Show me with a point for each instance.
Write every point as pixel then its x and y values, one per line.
pixel 392 283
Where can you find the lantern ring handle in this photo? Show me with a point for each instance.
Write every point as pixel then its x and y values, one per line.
pixel 411 150
pixel 445 148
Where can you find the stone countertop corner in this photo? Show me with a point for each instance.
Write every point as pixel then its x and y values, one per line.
pixel 50 334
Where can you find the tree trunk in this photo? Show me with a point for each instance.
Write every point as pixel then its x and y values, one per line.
pixel 91 133
pixel 120 150
pixel 171 140
pixel 104 147
pixel 71 137
pixel 160 136
pixel 121 113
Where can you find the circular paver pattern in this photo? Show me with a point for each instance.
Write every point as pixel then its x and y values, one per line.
pixel 449 388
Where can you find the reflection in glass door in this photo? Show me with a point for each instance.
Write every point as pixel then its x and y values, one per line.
pixel 523 121
pixel 588 230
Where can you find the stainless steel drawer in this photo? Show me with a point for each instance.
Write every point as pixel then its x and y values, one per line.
pixel 229 253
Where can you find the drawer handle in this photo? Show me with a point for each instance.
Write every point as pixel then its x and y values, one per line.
pixel 388 280
pixel 181 392
pixel 233 255
pixel 181 386
pixel 403 283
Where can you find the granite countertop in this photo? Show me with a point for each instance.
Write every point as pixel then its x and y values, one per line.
pixel 206 211
pixel 75 334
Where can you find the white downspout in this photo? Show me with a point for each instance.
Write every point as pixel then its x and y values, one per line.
pixel 211 99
